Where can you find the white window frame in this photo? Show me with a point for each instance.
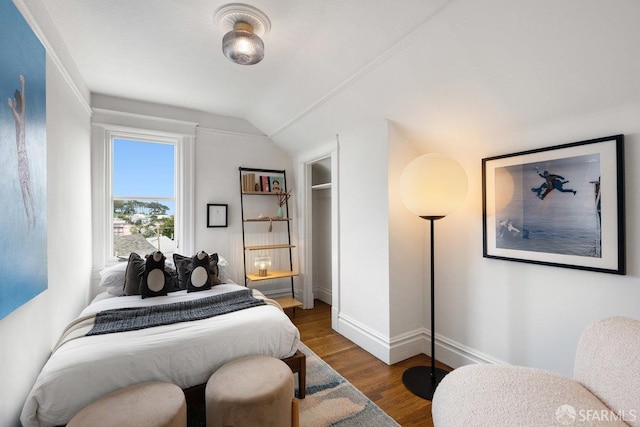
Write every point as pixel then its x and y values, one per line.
pixel 103 206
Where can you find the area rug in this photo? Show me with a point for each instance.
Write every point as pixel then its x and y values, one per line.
pixel 332 401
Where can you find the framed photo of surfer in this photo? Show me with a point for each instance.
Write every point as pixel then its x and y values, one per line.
pixel 561 206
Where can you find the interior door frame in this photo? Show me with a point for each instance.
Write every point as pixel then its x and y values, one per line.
pixel 304 176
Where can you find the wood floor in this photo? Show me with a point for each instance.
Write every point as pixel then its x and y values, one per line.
pixel 378 381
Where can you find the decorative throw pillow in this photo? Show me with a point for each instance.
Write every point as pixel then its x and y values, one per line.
pixel 213 268
pixel 133 274
pixel 200 276
pixel 155 282
pixel 184 267
pixel 172 277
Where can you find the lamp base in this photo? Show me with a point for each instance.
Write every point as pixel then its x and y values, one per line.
pixel 420 381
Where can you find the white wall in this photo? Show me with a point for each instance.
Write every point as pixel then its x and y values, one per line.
pixel 122 117
pixel 486 310
pixel 218 155
pixel 489 311
pixel 472 83
pixel 221 146
pixel 364 237
pixel 409 289
pixel 28 334
pixel 528 314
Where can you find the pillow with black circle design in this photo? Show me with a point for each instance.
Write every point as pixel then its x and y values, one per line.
pixel 155 282
pixel 200 275
pixel 184 266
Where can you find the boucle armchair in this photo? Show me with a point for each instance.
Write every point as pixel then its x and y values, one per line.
pixel 605 389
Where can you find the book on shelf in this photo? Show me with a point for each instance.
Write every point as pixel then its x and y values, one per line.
pixel 264 184
pixel 276 184
pixel 249 182
pixel 271 183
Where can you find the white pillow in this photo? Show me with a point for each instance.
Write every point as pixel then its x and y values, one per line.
pixel 115 291
pixel 223 273
pixel 113 276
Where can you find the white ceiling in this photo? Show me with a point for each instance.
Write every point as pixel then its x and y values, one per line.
pixel 436 67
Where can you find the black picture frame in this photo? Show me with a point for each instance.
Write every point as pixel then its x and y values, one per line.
pixel 572 216
pixel 217 215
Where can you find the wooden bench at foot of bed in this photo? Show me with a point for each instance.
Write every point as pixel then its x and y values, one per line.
pixel 297 363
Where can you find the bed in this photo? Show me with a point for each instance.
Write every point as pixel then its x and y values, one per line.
pixel 82 368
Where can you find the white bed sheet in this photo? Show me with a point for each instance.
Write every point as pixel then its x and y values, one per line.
pixel 186 354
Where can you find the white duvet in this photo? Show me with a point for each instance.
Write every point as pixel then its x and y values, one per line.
pixel 187 353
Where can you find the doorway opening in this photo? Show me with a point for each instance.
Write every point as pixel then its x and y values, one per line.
pixel 319 223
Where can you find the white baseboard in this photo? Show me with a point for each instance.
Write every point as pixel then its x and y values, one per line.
pixel 448 351
pixel 456 354
pixel 408 345
pixel 364 337
pixel 323 294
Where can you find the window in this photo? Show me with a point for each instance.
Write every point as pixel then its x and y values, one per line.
pixel 107 177
pixel 143 196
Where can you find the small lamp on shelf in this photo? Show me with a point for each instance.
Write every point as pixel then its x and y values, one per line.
pixel 262 263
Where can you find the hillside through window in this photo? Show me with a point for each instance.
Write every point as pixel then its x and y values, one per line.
pixel 143 197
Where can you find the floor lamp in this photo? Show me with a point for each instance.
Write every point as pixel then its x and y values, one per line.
pixel 431 186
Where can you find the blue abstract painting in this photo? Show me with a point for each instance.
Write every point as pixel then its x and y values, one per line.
pixel 23 162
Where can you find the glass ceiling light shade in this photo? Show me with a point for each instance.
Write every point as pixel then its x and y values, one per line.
pixel 433 185
pixel 242 46
pixel 243 25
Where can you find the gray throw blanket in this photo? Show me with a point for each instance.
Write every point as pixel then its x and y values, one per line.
pixel 134 318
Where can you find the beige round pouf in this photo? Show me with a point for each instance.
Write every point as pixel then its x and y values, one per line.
pixel 252 391
pixel 152 404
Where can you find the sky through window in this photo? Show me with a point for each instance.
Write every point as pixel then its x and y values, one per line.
pixel 143 169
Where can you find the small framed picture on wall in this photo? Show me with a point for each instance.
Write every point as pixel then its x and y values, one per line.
pixel 216 215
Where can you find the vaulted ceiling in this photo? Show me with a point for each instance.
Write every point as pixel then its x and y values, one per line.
pixel 436 67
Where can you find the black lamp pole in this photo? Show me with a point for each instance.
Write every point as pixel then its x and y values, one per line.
pixel 423 380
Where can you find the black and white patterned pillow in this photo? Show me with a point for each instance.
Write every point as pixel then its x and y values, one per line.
pixel 200 275
pixel 155 281
pixel 184 267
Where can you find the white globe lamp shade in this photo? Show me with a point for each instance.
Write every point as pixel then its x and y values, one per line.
pixel 433 185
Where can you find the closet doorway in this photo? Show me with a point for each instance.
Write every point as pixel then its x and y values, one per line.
pixel 321 225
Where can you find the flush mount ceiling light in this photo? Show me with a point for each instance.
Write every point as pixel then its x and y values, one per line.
pixel 244 25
